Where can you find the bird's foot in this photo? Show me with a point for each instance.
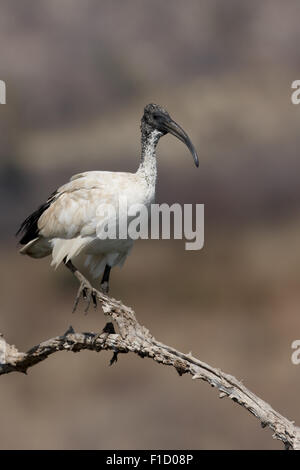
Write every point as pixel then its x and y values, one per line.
pixel 88 293
pixel 104 287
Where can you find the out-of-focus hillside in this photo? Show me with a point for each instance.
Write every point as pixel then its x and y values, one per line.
pixel 67 61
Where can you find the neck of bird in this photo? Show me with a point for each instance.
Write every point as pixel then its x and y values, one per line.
pixel 148 167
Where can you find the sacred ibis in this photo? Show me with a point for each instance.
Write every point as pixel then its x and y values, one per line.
pixel 66 224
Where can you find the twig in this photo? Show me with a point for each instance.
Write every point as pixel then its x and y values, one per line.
pixel 136 338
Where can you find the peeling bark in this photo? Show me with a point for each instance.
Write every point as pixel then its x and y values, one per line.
pixel 133 337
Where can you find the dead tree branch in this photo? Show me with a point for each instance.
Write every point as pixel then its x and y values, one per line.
pixel 135 338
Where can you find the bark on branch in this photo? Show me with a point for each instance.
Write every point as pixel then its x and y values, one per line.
pixel 133 337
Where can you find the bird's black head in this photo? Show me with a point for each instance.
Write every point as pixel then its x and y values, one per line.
pixel 156 118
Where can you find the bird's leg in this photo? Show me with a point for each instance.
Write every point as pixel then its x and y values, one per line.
pixel 104 286
pixel 85 288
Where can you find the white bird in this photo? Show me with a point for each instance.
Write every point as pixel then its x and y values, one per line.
pixel 66 225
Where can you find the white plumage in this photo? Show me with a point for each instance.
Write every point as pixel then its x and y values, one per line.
pixel 67 225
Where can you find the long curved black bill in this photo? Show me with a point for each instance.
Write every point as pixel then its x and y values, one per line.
pixel 174 129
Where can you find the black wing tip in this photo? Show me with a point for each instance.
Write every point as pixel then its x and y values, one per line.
pixel 29 227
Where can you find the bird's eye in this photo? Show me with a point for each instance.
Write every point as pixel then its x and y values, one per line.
pixel 156 116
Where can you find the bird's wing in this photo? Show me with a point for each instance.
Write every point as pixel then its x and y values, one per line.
pixel 74 210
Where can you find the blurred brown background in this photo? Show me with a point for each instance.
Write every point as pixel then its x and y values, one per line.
pixel 78 75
